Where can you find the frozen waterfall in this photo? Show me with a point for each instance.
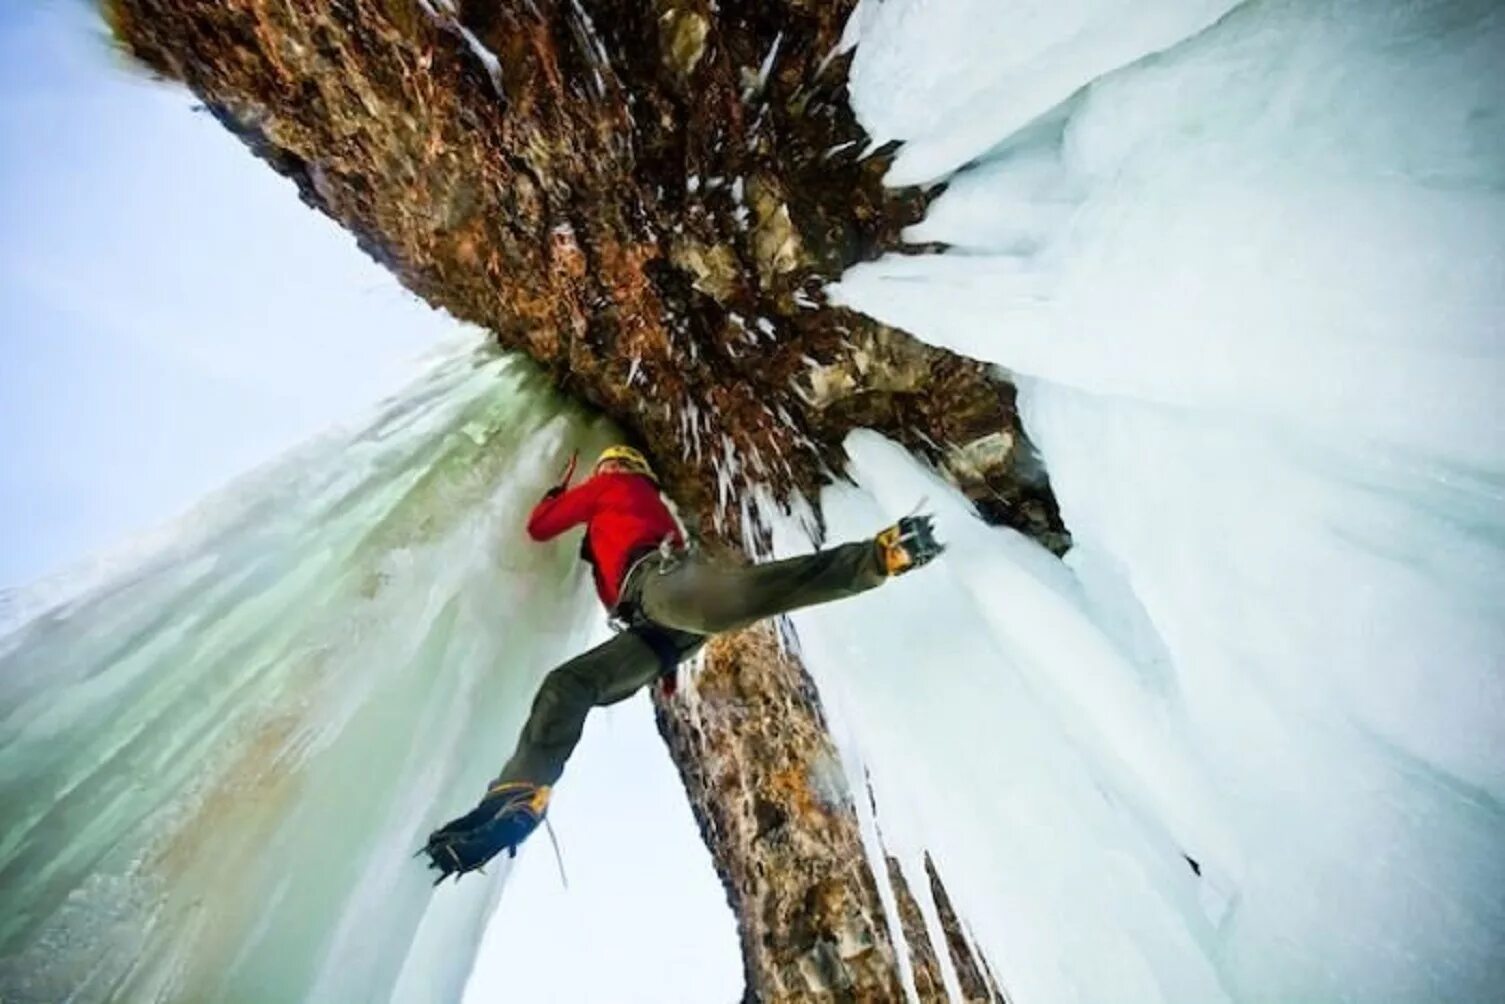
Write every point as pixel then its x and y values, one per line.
pixel 1246 743
pixel 1250 275
pixel 219 751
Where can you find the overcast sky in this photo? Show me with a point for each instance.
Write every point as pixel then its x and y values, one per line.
pixel 172 315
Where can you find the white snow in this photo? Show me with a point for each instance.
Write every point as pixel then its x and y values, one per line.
pixel 1252 289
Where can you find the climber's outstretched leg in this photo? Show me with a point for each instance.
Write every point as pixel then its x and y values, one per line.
pixel 515 802
pixel 705 596
pixel 683 601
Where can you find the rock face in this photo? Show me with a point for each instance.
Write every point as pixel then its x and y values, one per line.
pixel 775 809
pixel 645 197
pixel 648 197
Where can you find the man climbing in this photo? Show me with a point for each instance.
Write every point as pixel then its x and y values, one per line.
pixel 668 599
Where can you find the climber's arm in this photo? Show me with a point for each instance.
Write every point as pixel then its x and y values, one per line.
pixel 563 508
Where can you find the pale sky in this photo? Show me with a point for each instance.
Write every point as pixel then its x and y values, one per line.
pixel 170 316
pixel 644 920
pixel 170 313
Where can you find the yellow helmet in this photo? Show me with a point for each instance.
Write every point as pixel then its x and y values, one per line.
pixel 628 458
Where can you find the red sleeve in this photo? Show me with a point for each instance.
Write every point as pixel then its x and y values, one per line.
pixel 557 511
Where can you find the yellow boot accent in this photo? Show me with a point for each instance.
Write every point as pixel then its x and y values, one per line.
pixel 891 554
pixel 537 802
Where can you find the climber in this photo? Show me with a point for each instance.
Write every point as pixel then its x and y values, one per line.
pixel 666 598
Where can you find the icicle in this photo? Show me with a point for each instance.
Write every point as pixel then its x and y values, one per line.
pixel 764 69
pixel 588 29
pixel 284 630
pixel 492 65
pixel 767 67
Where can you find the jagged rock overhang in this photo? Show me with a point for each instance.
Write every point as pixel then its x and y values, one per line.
pixel 648 199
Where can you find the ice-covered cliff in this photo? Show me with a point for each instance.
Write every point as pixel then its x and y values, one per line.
pixel 1244 264
pixel 1250 278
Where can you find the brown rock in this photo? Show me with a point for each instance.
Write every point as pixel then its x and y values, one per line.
pixel 682 33
pixel 698 226
pixel 605 186
pixel 768 790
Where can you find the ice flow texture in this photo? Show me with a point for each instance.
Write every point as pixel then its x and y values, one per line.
pixel 1246 264
pixel 1251 279
pixel 217 761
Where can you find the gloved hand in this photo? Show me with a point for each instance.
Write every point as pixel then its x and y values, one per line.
pixel 563 484
pixel 908 544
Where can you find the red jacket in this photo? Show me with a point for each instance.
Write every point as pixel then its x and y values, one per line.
pixel 623 516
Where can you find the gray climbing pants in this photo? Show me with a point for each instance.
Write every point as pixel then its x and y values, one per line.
pixel 675 602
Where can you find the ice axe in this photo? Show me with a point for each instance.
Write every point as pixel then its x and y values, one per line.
pixel 569 470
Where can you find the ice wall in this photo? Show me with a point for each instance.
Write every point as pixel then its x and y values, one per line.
pixel 1251 279
pixel 218 754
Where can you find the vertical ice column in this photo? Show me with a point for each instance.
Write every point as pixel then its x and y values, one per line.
pixel 1251 285
pixel 216 764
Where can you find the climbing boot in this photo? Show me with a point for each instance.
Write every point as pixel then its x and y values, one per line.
pixel 908 544
pixel 508 813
